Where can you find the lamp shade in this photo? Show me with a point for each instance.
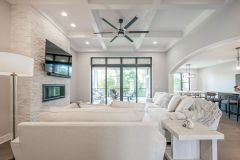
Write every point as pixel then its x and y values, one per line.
pixel 16 63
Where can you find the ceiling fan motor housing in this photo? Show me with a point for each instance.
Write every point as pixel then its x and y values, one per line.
pixel 120 20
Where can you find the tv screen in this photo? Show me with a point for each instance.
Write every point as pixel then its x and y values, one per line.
pixel 57 61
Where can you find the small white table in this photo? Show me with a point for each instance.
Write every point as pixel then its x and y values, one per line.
pixel 191 144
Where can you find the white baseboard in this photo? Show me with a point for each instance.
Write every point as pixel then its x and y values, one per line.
pixel 5 138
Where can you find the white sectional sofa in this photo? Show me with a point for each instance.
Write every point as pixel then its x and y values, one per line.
pixel 117 121
pixel 162 106
pixel 88 141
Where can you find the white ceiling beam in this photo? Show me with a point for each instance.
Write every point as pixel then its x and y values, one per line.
pixel 94 25
pixel 190 2
pixel 45 2
pixel 166 4
pixel 119 2
pixel 196 22
pixel 126 4
pixel 165 34
pixel 148 21
pixel 147 7
pixel 153 34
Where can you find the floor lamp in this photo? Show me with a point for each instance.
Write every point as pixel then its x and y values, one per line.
pixel 15 65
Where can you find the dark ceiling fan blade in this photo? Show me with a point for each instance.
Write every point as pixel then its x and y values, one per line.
pixel 131 22
pixel 104 33
pixel 113 38
pixel 128 38
pixel 109 23
pixel 137 31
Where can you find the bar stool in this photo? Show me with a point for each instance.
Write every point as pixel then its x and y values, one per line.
pixel 223 100
pixel 231 100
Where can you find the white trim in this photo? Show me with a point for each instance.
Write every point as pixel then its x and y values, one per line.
pixel 5 138
pixel 51 21
pixel 196 22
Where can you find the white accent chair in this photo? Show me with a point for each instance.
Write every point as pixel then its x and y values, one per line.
pixel 88 141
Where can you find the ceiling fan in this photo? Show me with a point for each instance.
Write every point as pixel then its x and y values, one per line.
pixel 121 31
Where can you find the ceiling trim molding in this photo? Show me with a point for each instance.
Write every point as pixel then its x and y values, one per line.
pixel 95 25
pixel 153 34
pixel 51 21
pixel 115 52
pixel 196 22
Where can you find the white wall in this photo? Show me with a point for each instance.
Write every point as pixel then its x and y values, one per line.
pixel 4 81
pixel 74 79
pixel 219 78
pixel 159 71
pixel 220 28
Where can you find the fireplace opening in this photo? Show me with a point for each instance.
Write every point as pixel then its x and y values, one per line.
pixel 53 92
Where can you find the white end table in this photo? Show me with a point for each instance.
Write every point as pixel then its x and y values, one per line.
pixel 191 144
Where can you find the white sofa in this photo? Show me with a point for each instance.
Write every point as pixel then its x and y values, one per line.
pixel 161 112
pixel 88 141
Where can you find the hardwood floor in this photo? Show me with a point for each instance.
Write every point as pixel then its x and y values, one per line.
pixel 5 151
pixel 228 149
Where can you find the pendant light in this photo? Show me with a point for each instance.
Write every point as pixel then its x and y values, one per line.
pixel 238 59
pixel 188 71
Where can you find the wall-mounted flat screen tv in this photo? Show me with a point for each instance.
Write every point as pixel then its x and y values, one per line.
pixel 57 61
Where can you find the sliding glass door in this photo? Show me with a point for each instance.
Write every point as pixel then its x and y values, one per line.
pixel 113 84
pixel 98 85
pixel 127 79
pixel 144 83
pixel 129 84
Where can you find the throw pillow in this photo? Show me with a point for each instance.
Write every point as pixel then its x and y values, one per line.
pixel 156 96
pixel 163 100
pixel 174 103
pixel 185 103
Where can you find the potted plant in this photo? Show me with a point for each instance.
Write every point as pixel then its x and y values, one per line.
pixel 114 94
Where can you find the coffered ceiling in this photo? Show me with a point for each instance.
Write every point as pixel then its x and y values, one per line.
pixel 167 20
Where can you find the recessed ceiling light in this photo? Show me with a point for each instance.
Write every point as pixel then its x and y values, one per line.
pixel 64 14
pixel 73 25
pixel 155 42
pixel 87 42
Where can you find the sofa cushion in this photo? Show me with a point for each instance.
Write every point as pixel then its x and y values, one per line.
pixel 90 116
pixel 163 100
pixel 156 95
pixel 185 104
pixel 174 103
pixel 71 106
pixel 121 104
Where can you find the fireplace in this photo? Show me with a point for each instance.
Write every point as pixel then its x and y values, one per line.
pixel 53 92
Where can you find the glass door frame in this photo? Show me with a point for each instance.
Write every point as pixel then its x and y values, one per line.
pixel 121 66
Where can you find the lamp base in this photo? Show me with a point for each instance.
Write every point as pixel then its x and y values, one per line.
pixel 14 88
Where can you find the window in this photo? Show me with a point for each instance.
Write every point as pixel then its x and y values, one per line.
pixel 181 82
pixel 122 78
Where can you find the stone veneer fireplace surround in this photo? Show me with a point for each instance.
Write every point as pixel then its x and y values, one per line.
pixel 29 31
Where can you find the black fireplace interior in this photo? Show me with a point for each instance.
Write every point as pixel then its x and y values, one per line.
pixel 53 92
